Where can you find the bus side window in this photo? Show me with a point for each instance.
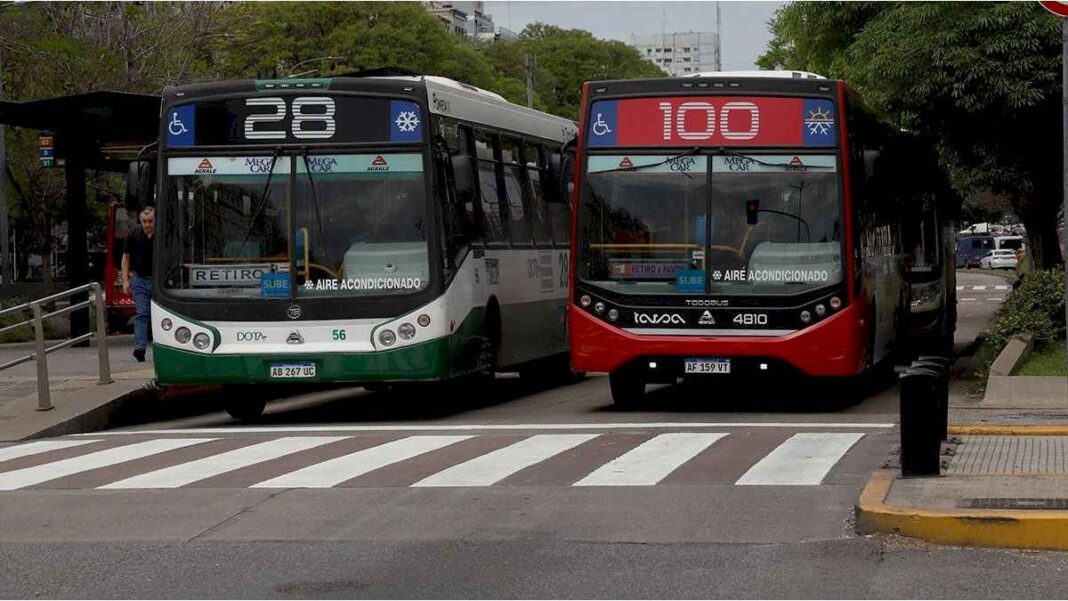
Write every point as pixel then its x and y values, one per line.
pixel 518 219
pixel 535 192
pixel 558 202
pixel 486 151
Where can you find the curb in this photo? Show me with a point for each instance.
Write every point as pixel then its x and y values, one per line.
pixel 1019 529
pixel 1008 430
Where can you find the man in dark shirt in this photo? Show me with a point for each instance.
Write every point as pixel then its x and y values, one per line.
pixel 137 277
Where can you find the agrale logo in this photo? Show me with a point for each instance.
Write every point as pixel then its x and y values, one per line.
pixel 294 338
pixel 626 163
pixel 707 319
pixel 205 168
pixel 379 164
pixel 659 318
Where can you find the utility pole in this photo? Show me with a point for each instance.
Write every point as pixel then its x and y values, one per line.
pixel 530 62
pixel 5 233
pixel 719 44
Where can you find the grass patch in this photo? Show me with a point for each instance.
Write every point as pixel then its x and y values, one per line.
pixel 1049 362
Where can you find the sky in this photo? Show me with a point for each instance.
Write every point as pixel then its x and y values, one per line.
pixel 745 30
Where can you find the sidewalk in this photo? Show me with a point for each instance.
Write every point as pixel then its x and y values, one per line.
pixel 80 402
pixel 1004 481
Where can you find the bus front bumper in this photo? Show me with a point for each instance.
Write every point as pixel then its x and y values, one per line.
pixel 428 361
pixel 832 348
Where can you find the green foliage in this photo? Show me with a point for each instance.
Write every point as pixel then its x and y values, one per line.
pixel 1050 362
pixel 1035 308
pixel 18 335
pixel 970 77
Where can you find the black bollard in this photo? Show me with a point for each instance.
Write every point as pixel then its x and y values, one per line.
pixel 943 390
pixel 920 442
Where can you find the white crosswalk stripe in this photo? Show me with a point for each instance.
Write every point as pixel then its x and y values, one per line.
pixel 804 459
pixel 651 461
pixel 193 471
pixel 40 446
pixel 498 465
pixel 75 465
pixel 335 471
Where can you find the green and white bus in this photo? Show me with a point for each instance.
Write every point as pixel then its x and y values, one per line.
pixel 357 229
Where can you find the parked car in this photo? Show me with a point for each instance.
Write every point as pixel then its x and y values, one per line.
pixel 998 259
pixel 971 249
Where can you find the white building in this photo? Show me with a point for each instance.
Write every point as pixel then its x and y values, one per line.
pixel 679 54
pixel 467 19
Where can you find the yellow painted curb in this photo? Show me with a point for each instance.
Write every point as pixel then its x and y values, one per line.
pixel 1008 430
pixel 1020 529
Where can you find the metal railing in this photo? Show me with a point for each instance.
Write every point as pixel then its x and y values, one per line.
pixel 40 354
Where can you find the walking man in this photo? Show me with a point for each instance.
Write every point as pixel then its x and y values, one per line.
pixel 137 277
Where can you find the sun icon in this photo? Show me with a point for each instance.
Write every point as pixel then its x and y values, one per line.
pixel 407 121
pixel 819 121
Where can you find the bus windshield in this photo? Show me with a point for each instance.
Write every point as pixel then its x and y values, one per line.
pixel 725 224
pixel 359 226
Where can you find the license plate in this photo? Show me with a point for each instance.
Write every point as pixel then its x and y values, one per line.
pixel 293 370
pixel 708 366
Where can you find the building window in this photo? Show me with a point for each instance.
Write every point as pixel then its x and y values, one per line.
pixel 686 60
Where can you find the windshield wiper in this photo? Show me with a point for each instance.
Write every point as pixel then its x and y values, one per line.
pixel 689 152
pixel 263 203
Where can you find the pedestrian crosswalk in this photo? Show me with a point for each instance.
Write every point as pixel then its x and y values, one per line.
pixel 999 287
pixel 426 461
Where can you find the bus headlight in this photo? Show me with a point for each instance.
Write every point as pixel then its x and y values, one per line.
pixel 585 300
pixel 182 335
pixel 406 331
pixel 201 341
pixel 387 337
pixel 166 324
pixel 599 308
pixel 821 310
pixel 424 320
pixel 806 317
pixel 835 302
pixel 613 314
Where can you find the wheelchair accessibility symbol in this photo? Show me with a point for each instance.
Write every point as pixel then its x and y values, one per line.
pixel 600 128
pixel 176 127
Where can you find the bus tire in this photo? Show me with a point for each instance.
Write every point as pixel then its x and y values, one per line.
pixel 627 388
pixel 247 408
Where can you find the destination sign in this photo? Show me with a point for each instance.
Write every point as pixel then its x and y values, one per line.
pixel 293 119
pixel 712 121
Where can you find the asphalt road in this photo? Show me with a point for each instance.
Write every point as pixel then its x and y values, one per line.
pixel 730 489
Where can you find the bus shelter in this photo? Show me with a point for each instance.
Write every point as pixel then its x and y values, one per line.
pixel 101 131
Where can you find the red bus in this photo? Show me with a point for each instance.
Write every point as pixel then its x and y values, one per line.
pixel 732 224
pixel 120 307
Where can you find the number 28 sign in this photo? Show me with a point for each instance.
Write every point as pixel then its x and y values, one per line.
pixel 712 121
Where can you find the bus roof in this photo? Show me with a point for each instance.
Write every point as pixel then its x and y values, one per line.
pixel 771 74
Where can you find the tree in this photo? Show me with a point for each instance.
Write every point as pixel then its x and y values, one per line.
pixel 981 81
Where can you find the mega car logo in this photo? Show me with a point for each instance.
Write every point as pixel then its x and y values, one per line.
pixel 379 164
pixel 204 168
pixel 659 318
pixel 323 164
pixel 258 164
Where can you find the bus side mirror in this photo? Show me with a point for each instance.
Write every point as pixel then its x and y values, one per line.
pixel 139 185
pixel 463 175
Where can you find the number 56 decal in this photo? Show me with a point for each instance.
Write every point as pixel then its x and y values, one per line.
pixel 323 113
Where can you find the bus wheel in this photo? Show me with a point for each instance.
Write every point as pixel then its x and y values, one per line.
pixel 627 388
pixel 248 408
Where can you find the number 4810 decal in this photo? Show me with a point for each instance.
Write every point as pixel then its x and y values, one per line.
pixel 705 116
pixel 301 117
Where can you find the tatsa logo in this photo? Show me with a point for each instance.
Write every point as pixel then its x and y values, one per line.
pixel 659 318
pixel 205 168
pixel 379 164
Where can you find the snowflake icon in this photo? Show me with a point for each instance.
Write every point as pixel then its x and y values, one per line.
pixel 407 121
pixel 819 122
